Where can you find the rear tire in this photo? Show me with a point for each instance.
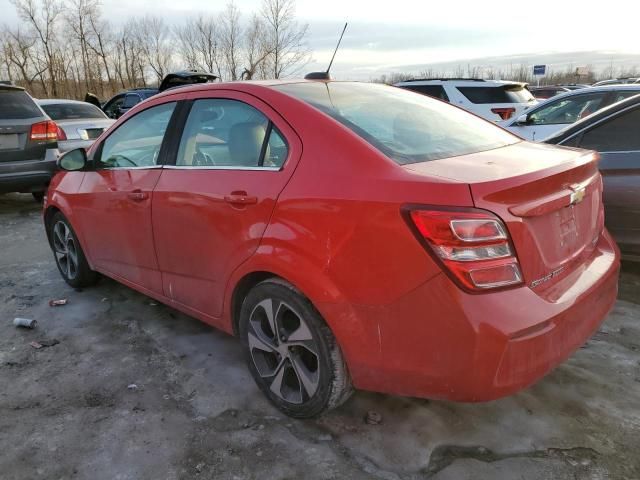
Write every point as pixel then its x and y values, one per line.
pixel 70 259
pixel 290 351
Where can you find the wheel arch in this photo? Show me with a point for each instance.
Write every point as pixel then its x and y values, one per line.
pixel 48 215
pixel 56 207
pixel 298 272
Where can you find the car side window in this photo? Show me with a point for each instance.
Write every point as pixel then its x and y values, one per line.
pixel 137 141
pixel 567 110
pixel 131 100
pixel 230 133
pixel 621 134
pixel 619 96
pixel 114 107
pixel 436 91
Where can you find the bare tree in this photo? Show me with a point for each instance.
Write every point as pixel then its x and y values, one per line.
pixel 101 43
pixel 256 47
pixel 43 20
pixel 200 44
pixel 286 37
pixel 153 36
pixel 231 40
pixel 17 48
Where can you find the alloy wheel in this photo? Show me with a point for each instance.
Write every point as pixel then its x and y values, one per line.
pixel 283 351
pixel 65 250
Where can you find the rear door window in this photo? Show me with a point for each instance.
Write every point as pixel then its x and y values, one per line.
pixel 568 109
pixel 619 96
pixel 435 91
pixel 622 134
pixel 17 104
pixel 499 94
pixel 229 133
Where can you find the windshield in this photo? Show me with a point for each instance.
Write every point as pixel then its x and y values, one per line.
pixel 407 127
pixel 72 111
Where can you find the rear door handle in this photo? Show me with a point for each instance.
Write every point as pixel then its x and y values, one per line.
pixel 240 198
pixel 138 195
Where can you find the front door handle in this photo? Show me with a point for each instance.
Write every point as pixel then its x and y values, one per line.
pixel 138 195
pixel 240 198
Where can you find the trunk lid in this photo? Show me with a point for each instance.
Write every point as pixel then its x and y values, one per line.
pixel 549 198
pixel 86 129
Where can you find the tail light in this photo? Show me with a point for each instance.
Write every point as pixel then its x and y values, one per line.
pixel 46 130
pixel 504 113
pixel 473 246
pixel 60 133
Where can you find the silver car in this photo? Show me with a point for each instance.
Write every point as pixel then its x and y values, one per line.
pixel 79 123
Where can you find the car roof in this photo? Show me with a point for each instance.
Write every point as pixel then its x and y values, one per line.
pixel 594 118
pixel 466 82
pixel 58 101
pixel 4 86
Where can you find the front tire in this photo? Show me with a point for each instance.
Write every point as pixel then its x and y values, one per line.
pixel 291 353
pixel 68 253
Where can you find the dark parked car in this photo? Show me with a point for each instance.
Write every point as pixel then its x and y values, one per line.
pixel 28 143
pixel 542 93
pixel 615 133
pixel 119 104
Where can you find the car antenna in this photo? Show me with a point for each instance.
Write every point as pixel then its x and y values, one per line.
pixel 325 75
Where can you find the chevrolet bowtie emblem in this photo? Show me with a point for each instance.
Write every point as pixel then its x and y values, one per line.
pixel 577 194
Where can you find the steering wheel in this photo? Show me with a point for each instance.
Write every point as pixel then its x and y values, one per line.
pixel 117 158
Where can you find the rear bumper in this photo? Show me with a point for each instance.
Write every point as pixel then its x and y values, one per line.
pixel 439 342
pixel 28 175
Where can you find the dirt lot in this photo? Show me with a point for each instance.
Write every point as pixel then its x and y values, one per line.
pixel 66 411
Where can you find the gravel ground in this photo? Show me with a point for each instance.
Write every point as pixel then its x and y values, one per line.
pixel 69 411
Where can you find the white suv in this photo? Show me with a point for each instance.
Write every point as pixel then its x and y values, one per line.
pixel 495 100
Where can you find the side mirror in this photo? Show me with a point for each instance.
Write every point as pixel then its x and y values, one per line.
pixel 73 160
pixel 523 119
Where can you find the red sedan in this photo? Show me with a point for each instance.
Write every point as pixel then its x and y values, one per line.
pixel 352 235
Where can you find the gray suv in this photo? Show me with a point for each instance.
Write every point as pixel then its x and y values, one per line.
pixel 28 143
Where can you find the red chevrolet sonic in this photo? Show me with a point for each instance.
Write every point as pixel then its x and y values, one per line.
pixel 352 235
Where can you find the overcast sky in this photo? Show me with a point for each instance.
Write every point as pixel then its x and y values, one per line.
pixel 385 36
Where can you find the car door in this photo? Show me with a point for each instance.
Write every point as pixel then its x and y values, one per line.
pixel 113 106
pixel 618 141
pixel 130 101
pixel 113 203
pixel 211 208
pixel 556 114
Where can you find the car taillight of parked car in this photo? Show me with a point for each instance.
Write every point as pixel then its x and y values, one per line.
pixel 473 246
pixel 47 131
pixel 504 113
pixel 61 134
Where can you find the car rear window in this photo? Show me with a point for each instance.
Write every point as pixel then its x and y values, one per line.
pixel 500 94
pixel 17 104
pixel 408 128
pixel 436 91
pixel 72 111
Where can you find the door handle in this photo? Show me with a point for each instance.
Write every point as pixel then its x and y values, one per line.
pixel 240 198
pixel 138 195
